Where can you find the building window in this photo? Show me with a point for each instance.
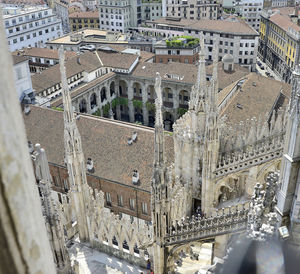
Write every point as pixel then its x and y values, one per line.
pixel 132 203
pixel 40 32
pixel 66 185
pixel 144 208
pixel 108 198
pixel 19 73
pixel 120 200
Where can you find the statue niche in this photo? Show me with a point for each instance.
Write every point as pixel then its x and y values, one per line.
pixel 231 189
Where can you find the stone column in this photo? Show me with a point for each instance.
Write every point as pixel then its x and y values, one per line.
pixel 145 110
pixel 176 103
pixel 130 103
pixel 118 107
pixel 88 104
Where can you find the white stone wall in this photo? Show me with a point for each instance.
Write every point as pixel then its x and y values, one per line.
pixel 22 78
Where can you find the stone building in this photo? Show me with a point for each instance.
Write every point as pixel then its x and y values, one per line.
pixel 40 58
pixel 279 41
pixel 88 19
pixel 151 9
pixel 178 49
pixel 232 36
pixel 193 9
pixel 30 26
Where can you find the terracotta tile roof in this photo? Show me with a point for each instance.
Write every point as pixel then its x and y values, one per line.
pixel 117 60
pixel 148 71
pixel 88 62
pixel 227 78
pixel 222 26
pixel 188 71
pixel 103 140
pixel 85 14
pixel 42 53
pixel 283 22
pixel 18 59
pixel 82 88
pixel 257 98
pixel 146 56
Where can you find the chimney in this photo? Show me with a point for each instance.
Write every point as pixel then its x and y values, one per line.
pixel 27 109
pixel 78 60
pixel 134 136
pixel 135 177
pixel 90 165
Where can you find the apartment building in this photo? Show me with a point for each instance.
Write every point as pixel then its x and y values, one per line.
pixel 151 9
pixel 61 8
pixel 279 41
pixel 235 37
pixel 114 15
pixel 90 4
pixel 193 9
pixel 250 10
pixel 30 26
pixel 178 49
pixel 88 19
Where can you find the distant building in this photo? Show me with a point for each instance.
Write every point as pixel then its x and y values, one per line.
pixel 99 38
pixel 23 79
pixel 178 49
pixel 61 8
pixel 193 9
pixel 30 26
pixel 250 10
pixel 41 58
pixel 151 9
pixel 88 19
pixel 90 4
pixel 279 41
pixel 233 37
pixel 115 15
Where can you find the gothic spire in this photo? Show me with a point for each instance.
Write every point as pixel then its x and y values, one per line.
pixel 68 108
pixel 159 125
pixel 199 90
pixel 201 77
pixel 212 101
pixel 294 107
pixel 74 156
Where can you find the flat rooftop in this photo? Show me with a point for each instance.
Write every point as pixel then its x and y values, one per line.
pixel 89 35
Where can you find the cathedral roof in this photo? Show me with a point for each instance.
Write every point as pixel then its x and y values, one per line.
pixel 257 96
pixel 103 140
pixel 188 72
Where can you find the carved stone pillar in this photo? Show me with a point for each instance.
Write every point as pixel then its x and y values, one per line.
pixel 145 110
pixel 130 103
pixel 88 104
pixel 117 92
pixel 176 103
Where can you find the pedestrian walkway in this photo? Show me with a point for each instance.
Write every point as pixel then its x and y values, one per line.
pixel 92 261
